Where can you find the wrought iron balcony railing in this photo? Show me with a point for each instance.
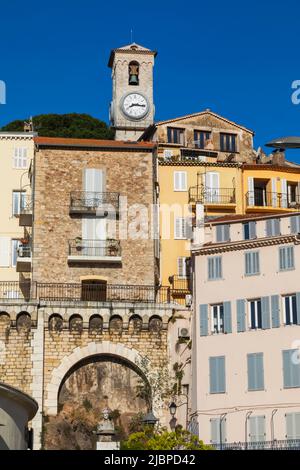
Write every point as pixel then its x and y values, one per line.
pixel 26 208
pixel 24 251
pixel 287 444
pixel 14 290
pixel 83 201
pixel 181 284
pixel 205 195
pixel 94 248
pixel 261 198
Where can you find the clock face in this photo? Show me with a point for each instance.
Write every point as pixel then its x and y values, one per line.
pixel 135 106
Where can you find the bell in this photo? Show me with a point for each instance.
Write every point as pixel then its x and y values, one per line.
pixel 133 80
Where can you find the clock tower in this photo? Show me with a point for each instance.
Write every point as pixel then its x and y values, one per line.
pixel 131 108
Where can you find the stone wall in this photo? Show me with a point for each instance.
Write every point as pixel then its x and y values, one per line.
pixel 57 173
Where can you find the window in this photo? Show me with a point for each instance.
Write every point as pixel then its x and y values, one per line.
pixel 251 263
pixel 214 268
pixel 133 73
pixel 180 181
pixel 217 430
pixel 255 314
pixel 290 310
pixel 249 230
pixel 291 368
pixel 228 142
pixel 286 258
pixel 217 374
pixel 19 201
pixel 201 138
pixel 183 266
pixel 255 364
pixel 180 231
pixel 295 224
pixel 292 421
pixel 257 428
pixel 175 136
pixel 223 233
pixel 217 317
pixel 15 244
pixel 273 227
pixel 20 157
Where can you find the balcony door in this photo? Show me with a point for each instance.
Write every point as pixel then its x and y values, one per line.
pixel 212 187
pixel 93 290
pixel 94 186
pixel 94 236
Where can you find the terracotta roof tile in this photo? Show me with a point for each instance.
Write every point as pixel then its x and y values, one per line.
pixel 63 142
pixel 255 216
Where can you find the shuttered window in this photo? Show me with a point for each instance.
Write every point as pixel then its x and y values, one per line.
pixel 180 181
pixel 217 430
pixel 241 315
pixel 217 315
pixel 20 158
pixel 180 228
pixel 295 224
pixel 214 268
pixel 257 428
pixel 217 374
pixel 292 421
pixel 182 266
pixel 291 368
pixel 290 310
pixel 273 227
pixel 223 233
pixel 203 320
pixel 249 230
pixel 255 314
pixel 252 263
pixel 255 371
pixel 286 258
pixel 14 252
pixel 18 202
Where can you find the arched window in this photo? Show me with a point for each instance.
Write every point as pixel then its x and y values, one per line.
pixel 133 73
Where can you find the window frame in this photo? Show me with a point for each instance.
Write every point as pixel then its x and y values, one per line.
pixel 252 252
pixel 180 133
pixel 215 257
pixel 181 189
pixel 18 244
pixel 220 321
pixel 256 314
pixel 21 194
pixel 248 225
pixel 201 133
pixel 290 297
pixel 183 228
pixel 20 162
pixel 230 135
pixel 285 250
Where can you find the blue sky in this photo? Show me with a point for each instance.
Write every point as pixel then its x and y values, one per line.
pixel 238 59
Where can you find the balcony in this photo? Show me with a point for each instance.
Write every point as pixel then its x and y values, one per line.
pixel 83 202
pixel 25 217
pixel 212 197
pixel 286 444
pixel 94 251
pixel 24 259
pixel 11 291
pixel 262 200
pixel 180 286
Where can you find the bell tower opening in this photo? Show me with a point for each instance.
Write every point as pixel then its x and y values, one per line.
pixel 133 73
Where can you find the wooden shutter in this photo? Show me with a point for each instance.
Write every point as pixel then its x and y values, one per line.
pixel 255 371
pixel 250 191
pixel 180 228
pixel 252 230
pixel 274 192
pixel 291 368
pixel 181 263
pixel 269 227
pixel 4 252
pixel 265 312
pixel 241 315
pixel 295 223
pixel 203 320
pixel 292 425
pixel 180 180
pixel 217 374
pixel 275 311
pixel 215 431
pixel 257 428
pixel 94 180
pixel 227 317
pixel 284 193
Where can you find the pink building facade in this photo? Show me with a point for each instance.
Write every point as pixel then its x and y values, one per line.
pixel 245 387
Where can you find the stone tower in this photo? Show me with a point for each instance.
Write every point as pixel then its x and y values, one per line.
pixel 131 108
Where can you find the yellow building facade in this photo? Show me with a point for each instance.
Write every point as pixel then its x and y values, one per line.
pixel 16 151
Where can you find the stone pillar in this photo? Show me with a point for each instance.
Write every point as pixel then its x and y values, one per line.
pixel 37 373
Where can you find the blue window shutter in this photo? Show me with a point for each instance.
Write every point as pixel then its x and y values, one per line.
pixel 255 371
pixel 203 320
pixel 217 374
pixel 269 227
pixel 287 368
pixel 265 312
pixel 290 428
pixel 295 224
pixel 252 230
pixel 219 233
pixel 214 430
pixel 227 317
pixel 275 311
pixel 241 315
pixel 276 226
pixel 282 258
pixel 298 307
pixel 226 233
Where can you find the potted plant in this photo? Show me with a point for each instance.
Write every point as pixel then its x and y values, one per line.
pixel 24 241
pixel 78 243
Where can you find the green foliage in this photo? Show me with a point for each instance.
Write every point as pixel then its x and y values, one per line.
pixel 87 405
pixel 81 126
pixel 148 439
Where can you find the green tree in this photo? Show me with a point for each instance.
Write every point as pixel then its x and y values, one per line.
pixel 161 439
pixel 80 126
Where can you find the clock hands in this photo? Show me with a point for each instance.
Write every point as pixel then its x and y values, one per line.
pixel 137 104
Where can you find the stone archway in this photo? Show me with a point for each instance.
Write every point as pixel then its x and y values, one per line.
pixel 105 348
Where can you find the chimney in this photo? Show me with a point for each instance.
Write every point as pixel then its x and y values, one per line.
pixel 278 157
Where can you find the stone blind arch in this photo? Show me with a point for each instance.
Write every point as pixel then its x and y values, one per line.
pixel 58 374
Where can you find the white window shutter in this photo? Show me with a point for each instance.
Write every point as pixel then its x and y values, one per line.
pixel 284 195
pixel 250 191
pixel 180 180
pixel 4 252
pixel 182 266
pixel 274 192
pixel 94 180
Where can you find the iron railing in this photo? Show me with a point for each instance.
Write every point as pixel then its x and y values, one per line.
pixel 24 251
pixel 95 248
pixel 261 198
pixel 103 293
pixel 287 444
pixel 13 290
pixel 85 201
pixel 205 195
pixel 182 284
pixel 26 208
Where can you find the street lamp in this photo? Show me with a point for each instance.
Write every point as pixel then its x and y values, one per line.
pixel 149 419
pixel 173 408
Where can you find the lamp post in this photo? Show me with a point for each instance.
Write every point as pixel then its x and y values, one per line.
pixel 222 417
pixel 149 419
pixel 248 414
pixel 272 425
pixel 173 408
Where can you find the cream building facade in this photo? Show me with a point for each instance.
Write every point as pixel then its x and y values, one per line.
pixel 245 356
pixel 16 151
